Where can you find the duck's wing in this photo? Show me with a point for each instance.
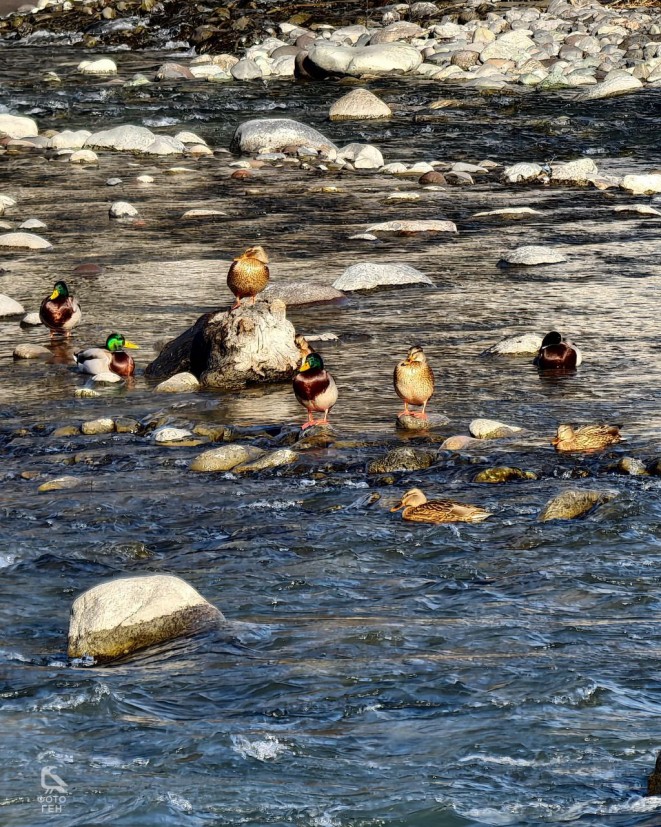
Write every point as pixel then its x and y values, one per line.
pixel 93 359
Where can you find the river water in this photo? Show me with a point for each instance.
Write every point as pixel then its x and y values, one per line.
pixel 373 672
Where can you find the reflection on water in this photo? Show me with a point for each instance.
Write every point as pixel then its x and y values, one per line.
pixel 374 672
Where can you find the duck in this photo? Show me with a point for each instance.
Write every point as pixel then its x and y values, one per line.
pixel 557 352
pixel 97 360
pixel 414 382
pixel 418 509
pixel 587 438
pixel 60 311
pixel 315 388
pixel 248 274
pixel 302 344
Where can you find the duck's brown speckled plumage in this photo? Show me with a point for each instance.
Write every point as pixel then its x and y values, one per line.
pixel 413 379
pixel 248 274
pixel 587 438
pixel 418 509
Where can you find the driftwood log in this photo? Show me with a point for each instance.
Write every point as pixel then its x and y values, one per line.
pixel 230 349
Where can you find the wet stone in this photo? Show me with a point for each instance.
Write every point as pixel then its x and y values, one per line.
pixel 60 484
pixel 98 426
pixel 126 425
pixel 402 459
pixel 416 423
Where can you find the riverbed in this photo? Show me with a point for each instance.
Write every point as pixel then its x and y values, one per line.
pixel 374 672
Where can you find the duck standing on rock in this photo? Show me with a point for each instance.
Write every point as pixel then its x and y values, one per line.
pixel 414 382
pixel 112 358
pixel 60 312
pixel 418 509
pixel 248 274
pixel 587 438
pixel 557 352
pixel 315 388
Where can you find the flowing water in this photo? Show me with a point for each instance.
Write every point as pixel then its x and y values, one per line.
pixel 373 672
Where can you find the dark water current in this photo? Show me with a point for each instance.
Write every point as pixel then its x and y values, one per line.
pixel 375 673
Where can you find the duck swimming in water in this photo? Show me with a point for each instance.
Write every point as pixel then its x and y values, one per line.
pixel 418 509
pixel 97 360
pixel 587 438
pixel 414 382
pixel 248 274
pixel 557 352
pixel 315 388
pixel 60 311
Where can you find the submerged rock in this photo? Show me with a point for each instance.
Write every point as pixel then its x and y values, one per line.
pixel 127 614
pixel 459 442
pixel 60 484
pixel 225 458
pixel 275 134
pixel 573 503
pixel 513 213
pixel 29 351
pixel 275 459
pixel 413 227
pixel 532 254
pixel 503 473
pixel 302 292
pixel 402 459
pixel 368 275
pixel 522 172
pixel 179 383
pixel 102 66
pixel 574 172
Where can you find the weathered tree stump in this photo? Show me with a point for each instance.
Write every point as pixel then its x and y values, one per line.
pixel 229 349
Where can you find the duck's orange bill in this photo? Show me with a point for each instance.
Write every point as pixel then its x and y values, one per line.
pixel 54 295
pixel 131 346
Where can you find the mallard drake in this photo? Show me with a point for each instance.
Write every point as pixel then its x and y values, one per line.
pixel 248 274
pixel 587 438
pixel 96 360
pixel 419 509
pixel 315 388
pixel 414 382
pixel 557 352
pixel 60 311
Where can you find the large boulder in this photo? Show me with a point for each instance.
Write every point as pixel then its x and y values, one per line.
pixel 130 138
pixel 124 615
pixel 274 134
pixel 16 126
pixel 362 60
pixel 369 274
pixel 359 105
pixel 229 349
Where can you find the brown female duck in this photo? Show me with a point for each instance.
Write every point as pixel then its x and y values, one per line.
pixel 419 509
pixel 248 274
pixel 414 382
pixel 587 438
